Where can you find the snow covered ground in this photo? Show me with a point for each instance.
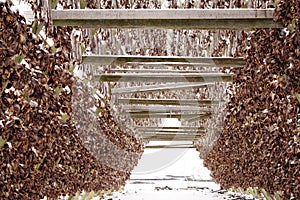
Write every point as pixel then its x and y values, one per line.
pixel 184 178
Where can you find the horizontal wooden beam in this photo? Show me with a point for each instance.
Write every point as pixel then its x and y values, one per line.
pixel 162 65
pixel 168 115
pixel 161 108
pixel 164 113
pixel 170 147
pixel 138 70
pixel 130 59
pixel 194 118
pixel 182 102
pixel 170 18
pixel 171 137
pixel 165 77
pixel 160 87
pixel 178 132
pixel 169 128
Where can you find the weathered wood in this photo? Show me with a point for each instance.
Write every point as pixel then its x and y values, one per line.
pixel 169 128
pixel 170 18
pixel 182 102
pixel 161 108
pixel 172 134
pixel 172 137
pixel 171 131
pixel 165 77
pixel 160 87
pixel 168 115
pixel 131 59
pixel 131 70
pixel 154 113
pixel 170 147
pixel 194 118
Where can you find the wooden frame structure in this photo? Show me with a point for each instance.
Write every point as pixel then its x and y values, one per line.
pixel 160 87
pixel 170 18
pixel 163 60
pixel 180 102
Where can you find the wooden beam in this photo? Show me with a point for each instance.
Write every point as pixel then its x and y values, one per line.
pixel 170 147
pixel 160 108
pixel 155 70
pixel 165 77
pixel 170 18
pixel 234 64
pixel 148 134
pixel 166 128
pixel 160 87
pixel 145 132
pixel 168 115
pixel 172 137
pixel 178 132
pixel 193 118
pixel 129 59
pixel 181 102
pixel 163 113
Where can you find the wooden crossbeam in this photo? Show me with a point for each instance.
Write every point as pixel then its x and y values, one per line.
pixel 131 59
pixel 165 77
pixel 235 64
pixel 181 102
pixel 170 147
pixel 160 87
pixel 170 18
pixel 138 70
pixel 163 113
pixel 178 132
pixel 146 132
pixel 160 108
pixel 168 115
pixel 167 128
pixel 171 137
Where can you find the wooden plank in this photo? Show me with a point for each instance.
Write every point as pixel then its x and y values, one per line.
pixel 131 70
pixel 161 108
pixel 160 87
pixel 171 131
pixel 167 128
pixel 234 64
pixel 170 147
pixel 193 118
pixel 171 137
pixel 178 132
pixel 168 115
pixel 182 102
pixel 170 18
pixel 155 113
pixel 161 70
pixel 148 134
pixel 165 77
pixel 130 59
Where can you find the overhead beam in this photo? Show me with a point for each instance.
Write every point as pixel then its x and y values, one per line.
pixel 169 128
pixel 178 132
pixel 165 77
pixel 129 59
pixel 181 102
pixel 172 137
pixel 138 70
pixel 161 112
pixel 161 108
pixel 170 147
pixel 169 115
pixel 160 87
pixel 170 18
